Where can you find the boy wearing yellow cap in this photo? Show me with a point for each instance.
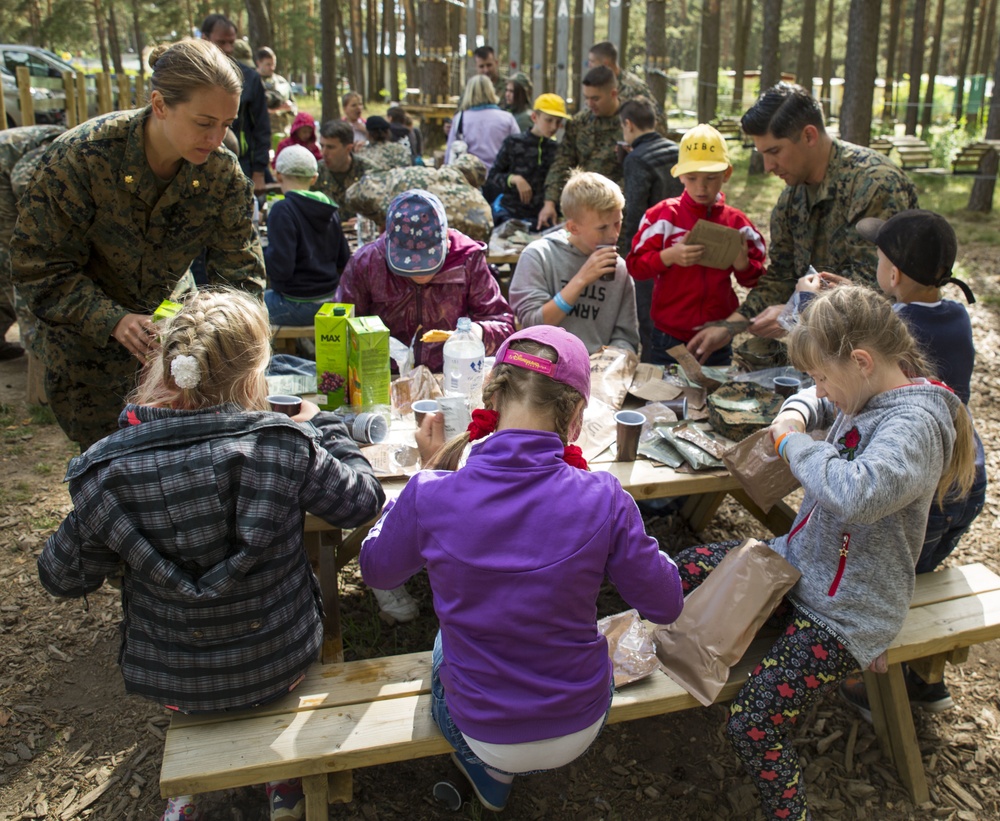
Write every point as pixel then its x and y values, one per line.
pixel 518 173
pixel 687 294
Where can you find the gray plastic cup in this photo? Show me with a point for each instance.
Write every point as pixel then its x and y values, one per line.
pixel 369 428
pixel 629 427
pixel 786 385
pixel 283 403
pixel 422 407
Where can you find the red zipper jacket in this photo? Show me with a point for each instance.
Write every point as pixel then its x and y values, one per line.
pixel 685 297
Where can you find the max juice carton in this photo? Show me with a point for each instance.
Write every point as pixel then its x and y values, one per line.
pixel 368 362
pixel 331 354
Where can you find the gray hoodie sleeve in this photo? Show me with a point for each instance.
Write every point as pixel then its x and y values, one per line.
pixel 531 286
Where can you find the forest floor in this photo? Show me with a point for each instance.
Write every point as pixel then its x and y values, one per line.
pixel 73 744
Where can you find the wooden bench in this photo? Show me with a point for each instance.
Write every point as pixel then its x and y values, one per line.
pixel 283 336
pixel 913 153
pixel 729 128
pixel 360 713
pixel 881 144
pixel 970 157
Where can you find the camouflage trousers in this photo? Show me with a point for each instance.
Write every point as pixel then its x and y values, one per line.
pixel 87 388
pixel 12 307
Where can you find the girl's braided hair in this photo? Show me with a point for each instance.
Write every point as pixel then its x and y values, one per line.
pixel 227 334
pixel 546 396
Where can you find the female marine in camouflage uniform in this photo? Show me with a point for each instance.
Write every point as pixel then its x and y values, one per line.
pixel 111 220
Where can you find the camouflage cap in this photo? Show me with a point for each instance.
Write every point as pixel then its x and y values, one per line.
pixel 243 52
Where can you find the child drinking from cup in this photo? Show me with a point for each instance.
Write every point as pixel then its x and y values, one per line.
pixel 200 498
pixel 521 676
pixel 896 442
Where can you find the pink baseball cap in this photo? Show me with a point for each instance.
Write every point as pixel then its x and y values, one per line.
pixel 572 365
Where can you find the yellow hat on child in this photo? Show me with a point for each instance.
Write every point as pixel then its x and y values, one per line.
pixel 702 149
pixel 551 104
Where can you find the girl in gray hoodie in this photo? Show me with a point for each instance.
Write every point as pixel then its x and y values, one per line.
pixel 896 440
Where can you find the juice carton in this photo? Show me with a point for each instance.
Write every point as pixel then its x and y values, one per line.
pixel 331 354
pixel 368 362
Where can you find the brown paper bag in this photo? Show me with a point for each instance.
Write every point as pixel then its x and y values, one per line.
pixel 629 646
pixel 721 618
pixel 766 478
pixel 611 373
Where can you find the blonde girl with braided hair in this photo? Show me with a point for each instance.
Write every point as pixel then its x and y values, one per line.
pixel 896 441
pixel 200 496
pixel 517 543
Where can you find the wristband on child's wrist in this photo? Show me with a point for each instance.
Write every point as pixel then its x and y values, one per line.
pixel 779 441
pixel 561 303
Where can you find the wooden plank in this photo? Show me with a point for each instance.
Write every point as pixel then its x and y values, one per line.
pixel 901 733
pixel 939 628
pixel 340 788
pixel 930 669
pixel 953 583
pixel 315 788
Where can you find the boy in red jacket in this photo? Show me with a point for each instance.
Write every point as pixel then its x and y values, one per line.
pixel 686 294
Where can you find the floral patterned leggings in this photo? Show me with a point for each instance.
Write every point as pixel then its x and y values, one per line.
pixel 803 663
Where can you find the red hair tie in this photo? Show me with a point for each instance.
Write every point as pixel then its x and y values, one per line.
pixel 573 457
pixel 483 423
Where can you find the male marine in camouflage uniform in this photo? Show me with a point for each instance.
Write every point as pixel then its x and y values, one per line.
pixel 487 65
pixel 457 186
pixel 630 85
pixel 98 238
pixel 341 167
pixel 16 145
pixel 830 186
pixel 590 142
pixel 380 153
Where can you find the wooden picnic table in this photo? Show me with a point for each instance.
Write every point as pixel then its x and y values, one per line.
pixel 331 548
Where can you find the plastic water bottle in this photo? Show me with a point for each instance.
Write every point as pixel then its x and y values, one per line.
pixel 464 355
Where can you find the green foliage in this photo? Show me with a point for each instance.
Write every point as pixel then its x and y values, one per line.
pixel 41 415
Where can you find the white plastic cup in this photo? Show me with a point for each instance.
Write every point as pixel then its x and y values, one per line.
pixel 422 407
pixel 369 428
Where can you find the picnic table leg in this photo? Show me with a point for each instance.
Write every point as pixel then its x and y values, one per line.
pixel 315 789
pixel 778 519
pixel 341 787
pixel 893 722
pixel 700 508
pixel 333 640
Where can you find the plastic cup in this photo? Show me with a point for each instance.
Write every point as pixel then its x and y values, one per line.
pixel 422 407
pixel 786 385
pixel 629 427
pixel 282 403
pixel 369 428
pixel 679 406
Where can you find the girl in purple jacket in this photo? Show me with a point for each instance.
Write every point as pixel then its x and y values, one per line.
pixel 517 544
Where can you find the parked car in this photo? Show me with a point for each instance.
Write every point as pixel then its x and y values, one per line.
pixel 47 92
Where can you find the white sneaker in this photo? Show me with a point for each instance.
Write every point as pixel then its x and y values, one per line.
pixel 397 604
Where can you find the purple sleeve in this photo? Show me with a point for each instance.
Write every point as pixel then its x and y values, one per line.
pixel 390 553
pixel 646 577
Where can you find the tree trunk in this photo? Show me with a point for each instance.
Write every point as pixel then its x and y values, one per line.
pixel 826 90
pixel 102 40
pixel 259 24
pixel 372 85
pixel 434 47
pixel 888 96
pixel 410 38
pixel 770 62
pixel 389 28
pixel 805 64
pixel 140 42
pixel 329 18
pixel 744 21
pixel 356 41
pixel 113 43
pixel 963 57
pixel 708 61
pixel 927 114
pixel 656 43
pixel 981 196
pixel 916 65
pixel 859 75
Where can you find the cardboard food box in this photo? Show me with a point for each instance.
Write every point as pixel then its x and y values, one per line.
pixel 331 354
pixel 368 362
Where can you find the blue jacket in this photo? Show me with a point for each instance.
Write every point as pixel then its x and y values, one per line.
pixel 306 249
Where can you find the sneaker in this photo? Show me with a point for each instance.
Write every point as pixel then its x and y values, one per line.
pixel 491 793
pixel 934 698
pixel 287 801
pixel 397 604
pixel 181 808
pixel 852 690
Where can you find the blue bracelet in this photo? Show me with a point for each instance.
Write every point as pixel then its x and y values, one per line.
pixel 782 446
pixel 561 303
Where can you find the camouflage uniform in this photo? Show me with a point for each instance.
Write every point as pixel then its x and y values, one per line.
pixel 818 228
pixel 17 144
pixel 278 90
pixel 631 86
pixel 386 156
pixel 457 186
pixel 335 185
pixel 589 143
pixel 96 239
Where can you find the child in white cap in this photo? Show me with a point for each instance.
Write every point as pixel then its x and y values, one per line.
pixel 686 294
pixel 306 249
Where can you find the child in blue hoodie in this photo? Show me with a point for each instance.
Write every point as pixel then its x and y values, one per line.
pixel 306 248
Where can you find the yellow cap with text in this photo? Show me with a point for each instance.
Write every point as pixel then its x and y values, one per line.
pixel 702 149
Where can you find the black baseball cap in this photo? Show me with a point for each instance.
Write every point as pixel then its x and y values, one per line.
pixel 921 244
